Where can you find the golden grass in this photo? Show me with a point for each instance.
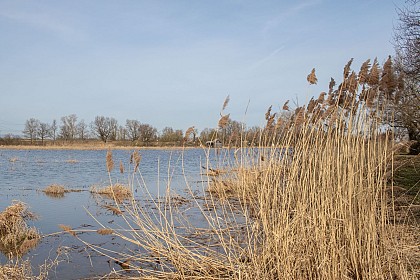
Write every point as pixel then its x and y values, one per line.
pixel 55 189
pixel 16 237
pixel 117 192
pixel 310 202
pixel 16 271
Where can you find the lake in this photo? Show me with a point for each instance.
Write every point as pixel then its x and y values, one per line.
pixel 25 173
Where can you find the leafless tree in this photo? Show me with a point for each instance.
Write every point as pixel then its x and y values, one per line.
pixel 82 130
pixel 133 129
pixel 31 129
pixel 406 104
pixel 53 130
pixel 147 133
pixel 407 39
pixel 43 131
pixel 170 135
pixel 102 127
pixel 68 128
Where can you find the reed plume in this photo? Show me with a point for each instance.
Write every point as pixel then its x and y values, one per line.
pixel 223 121
pixel 311 78
pixel 225 103
pixel 109 161
pixel 286 106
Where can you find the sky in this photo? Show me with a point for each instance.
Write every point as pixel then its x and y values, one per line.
pixel 172 63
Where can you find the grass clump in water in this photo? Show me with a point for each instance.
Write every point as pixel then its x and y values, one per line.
pixel 16 237
pixel 116 192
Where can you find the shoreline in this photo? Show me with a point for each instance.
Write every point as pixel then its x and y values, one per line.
pixel 89 147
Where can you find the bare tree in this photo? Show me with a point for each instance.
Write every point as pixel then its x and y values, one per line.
pixel 68 128
pixel 31 129
pixel 133 129
pixel 82 130
pixel 53 130
pixel 101 126
pixel 406 104
pixel 43 131
pixel 407 39
pixel 170 135
pixel 113 128
pixel 147 133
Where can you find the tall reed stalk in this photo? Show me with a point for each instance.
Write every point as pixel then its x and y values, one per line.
pixel 308 203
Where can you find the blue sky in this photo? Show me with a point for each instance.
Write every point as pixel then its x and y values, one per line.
pixel 172 63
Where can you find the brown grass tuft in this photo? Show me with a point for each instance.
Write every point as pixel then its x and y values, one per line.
pixel 117 192
pixel 16 237
pixel 67 229
pixel 55 189
pixel 113 209
pixel 105 231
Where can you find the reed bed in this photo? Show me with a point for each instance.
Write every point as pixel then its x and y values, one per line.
pixel 309 202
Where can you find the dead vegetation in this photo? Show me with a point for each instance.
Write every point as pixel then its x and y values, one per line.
pixel 116 192
pixel 16 237
pixel 57 191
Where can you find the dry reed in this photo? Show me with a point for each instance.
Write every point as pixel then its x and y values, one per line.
pixel 109 161
pixel 55 190
pixel 309 203
pixel 116 192
pixel 16 237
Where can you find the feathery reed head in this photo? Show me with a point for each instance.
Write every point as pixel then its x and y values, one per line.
pixel 225 104
pixel 312 79
pixel 223 121
pixel 286 106
pixel 105 231
pixel 135 158
pixel 109 161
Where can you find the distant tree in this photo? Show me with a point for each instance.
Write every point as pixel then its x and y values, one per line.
pixel 133 129
pixel 147 133
pixel 170 135
pixel 68 128
pixel 113 127
pixel 253 135
pixel 232 132
pixel 102 127
pixel 208 134
pixel 53 130
pixel 31 129
pixel 82 130
pixel 43 131
pixel 122 133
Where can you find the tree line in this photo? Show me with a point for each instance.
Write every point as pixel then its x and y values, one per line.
pixel 107 129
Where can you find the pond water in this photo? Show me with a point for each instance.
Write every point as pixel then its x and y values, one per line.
pixel 25 173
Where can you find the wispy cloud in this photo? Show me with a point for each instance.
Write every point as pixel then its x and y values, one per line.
pixel 266 58
pixel 45 22
pixel 288 13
